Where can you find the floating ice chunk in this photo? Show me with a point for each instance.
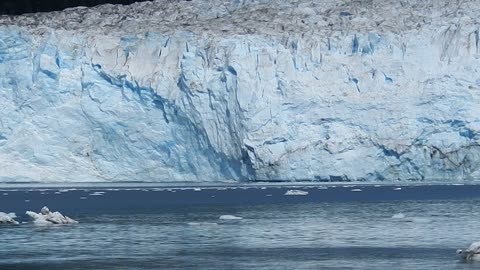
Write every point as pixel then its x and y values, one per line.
pixel 472 253
pixel 202 223
pixel 97 193
pixel 356 190
pixel 296 192
pixel 45 217
pixel 7 218
pixel 197 189
pixel 404 218
pixel 399 215
pixel 397 189
pixel 229 217
pixel 67 190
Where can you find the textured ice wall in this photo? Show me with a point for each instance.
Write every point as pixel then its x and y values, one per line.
pixel 214 90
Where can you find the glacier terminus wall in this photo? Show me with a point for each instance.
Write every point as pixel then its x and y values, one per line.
pixel 213 90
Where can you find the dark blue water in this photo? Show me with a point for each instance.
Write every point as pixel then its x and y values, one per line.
pixel 158 228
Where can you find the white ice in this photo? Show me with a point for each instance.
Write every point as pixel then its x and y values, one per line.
pixel 399 215
pixel 7 218
pixel 296 192
pixel 405 218
pixel 472 253
pixel 229 217
pixel 46 217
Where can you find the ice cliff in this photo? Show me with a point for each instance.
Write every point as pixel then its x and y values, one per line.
pixel 209 90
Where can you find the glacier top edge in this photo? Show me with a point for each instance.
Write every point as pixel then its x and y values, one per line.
pixel 242 17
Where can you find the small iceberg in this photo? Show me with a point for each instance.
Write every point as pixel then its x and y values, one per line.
pixel 8 218
pixel 45 217
pixel 229 217
pixel 356 190
pixel 399 215
pixel 472 253
pixel 296 192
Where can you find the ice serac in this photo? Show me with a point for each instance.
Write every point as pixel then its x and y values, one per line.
pixel 241 90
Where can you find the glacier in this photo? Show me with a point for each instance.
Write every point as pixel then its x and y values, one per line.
pixel 213 90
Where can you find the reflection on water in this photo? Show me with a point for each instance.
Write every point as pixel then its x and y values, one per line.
pixel 288 236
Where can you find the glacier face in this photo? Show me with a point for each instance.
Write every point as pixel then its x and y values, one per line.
pixel 242 90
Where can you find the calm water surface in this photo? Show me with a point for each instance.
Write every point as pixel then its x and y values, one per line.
pixel 302 234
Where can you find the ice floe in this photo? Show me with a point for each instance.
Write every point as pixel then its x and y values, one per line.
pixel 97 193
pixel 229 217
pixel 7 218
pixel 399 215
pixel 296 192
pixel 404 218
pixel 202 223
pixel 46 217
pixel 472 253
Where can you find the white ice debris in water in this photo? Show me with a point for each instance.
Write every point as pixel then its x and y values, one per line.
pixel 472 253
pixel 397 189
pixel 7 218
pixel 97 193
pixel 229 217
pixel 202 223
pixel 356 190
pixel 399 215
pixel 45 217
pixel 404 218
pixel 296 192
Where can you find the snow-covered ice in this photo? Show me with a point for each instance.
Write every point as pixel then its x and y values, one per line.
pixel 45 217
